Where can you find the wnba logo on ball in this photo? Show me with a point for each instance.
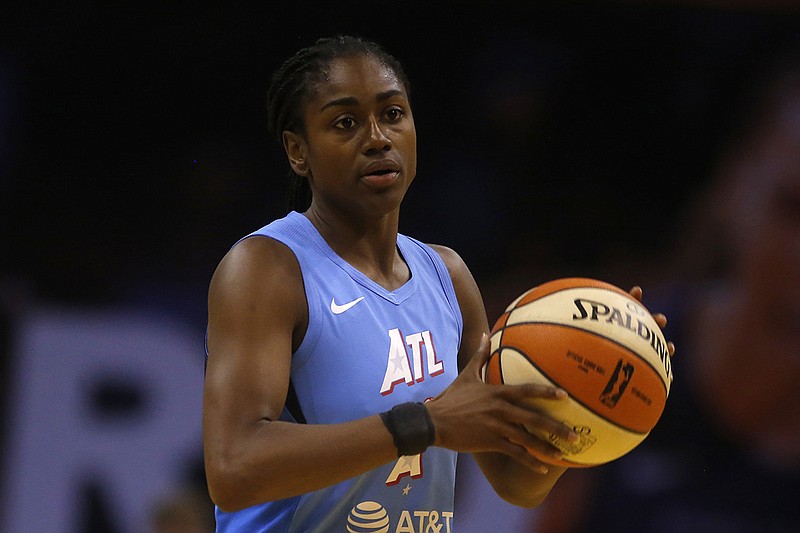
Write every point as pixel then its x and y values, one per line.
pixel 368 517
pixel 617 384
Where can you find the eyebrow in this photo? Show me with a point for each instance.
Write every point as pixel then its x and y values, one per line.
pixel 352 100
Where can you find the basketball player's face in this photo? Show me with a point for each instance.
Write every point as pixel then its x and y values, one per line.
pixel 360 143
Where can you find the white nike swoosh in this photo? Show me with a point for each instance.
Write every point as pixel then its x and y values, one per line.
pixel 339 309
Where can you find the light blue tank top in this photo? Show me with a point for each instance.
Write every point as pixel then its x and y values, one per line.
pixel 367 349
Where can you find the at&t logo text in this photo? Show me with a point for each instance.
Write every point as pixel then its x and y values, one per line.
pixel 371 517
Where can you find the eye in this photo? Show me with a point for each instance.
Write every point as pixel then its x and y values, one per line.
pixel 345 123
pixel 393 114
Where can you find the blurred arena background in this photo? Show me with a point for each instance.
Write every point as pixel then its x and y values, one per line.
pixel 555 139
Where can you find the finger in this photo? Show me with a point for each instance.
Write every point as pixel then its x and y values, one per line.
pixel 538 448
pixel 480 357
pixel 540 441
pixel 519 424
pixel 636 292
pixel 521 455
pixel 531 450
pixel 528 391
pixel 671 348
pixel 542 424
pixel 524 456
pixel 661 320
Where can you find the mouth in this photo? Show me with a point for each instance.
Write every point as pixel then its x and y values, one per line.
pixel 380 173
pixel 380 180
pixel 385 173
pixel 381 166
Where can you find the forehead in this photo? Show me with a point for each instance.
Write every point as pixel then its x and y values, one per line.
pixel 361 75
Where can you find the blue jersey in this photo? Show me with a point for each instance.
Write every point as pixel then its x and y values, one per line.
pixel 367 349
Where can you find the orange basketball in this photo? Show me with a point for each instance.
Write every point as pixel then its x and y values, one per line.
pixel 603 347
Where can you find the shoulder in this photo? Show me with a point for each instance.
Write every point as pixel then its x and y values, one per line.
pixel 470 301
pixel 256 271
pixel 257 289
pixel 463 282
pixel 257 256
pixel 454 263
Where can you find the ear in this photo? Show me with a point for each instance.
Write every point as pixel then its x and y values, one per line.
pixel 295 148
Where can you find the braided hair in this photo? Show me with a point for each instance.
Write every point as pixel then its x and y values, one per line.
pixel 297 79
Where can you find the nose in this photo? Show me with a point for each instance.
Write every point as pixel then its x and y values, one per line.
pixel 376 139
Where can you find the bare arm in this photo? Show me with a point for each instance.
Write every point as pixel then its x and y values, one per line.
pixel 257 316
pixel 257 312
pixel 516 475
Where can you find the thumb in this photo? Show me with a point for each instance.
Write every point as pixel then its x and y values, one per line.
pixel 479 359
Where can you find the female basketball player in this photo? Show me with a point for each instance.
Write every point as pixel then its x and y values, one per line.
pixel 328 330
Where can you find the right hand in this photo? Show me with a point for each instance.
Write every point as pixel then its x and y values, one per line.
pixel 474 416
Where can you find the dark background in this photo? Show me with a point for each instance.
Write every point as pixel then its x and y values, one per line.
pixel 555 139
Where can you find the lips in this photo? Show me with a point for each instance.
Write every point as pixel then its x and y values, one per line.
pixel 383 167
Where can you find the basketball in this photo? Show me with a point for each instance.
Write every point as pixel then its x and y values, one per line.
pixel 603 347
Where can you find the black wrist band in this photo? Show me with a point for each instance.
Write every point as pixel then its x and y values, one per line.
pixel 411 427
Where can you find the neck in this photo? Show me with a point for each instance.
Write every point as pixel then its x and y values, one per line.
pixel 369 245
